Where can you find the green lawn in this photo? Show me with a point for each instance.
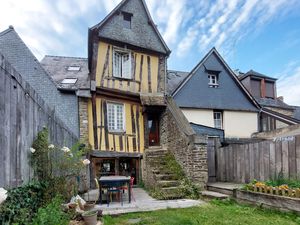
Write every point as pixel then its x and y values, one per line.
pixel 212 214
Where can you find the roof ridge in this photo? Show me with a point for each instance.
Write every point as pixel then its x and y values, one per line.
pixel 9 29
pixel 72 57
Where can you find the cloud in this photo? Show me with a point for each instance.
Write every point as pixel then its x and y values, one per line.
pixel 227 22
pixel 288 84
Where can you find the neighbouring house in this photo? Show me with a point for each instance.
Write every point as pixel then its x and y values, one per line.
pixel 64 104
pixel 71 75
pixel 275 113
pixel 212 96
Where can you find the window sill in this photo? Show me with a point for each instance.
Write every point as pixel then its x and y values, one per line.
pixel 117 132
pixel 122 78
pixel 213 85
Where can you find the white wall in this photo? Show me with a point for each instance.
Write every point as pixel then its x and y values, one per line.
pixel 239 124
pixel 200 116
pixel 236 124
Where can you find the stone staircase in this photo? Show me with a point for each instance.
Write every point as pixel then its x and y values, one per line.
pixel 164 181
pixel 219 190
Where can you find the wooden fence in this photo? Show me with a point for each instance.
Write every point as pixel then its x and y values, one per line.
pixel 22 114
pixel 260 160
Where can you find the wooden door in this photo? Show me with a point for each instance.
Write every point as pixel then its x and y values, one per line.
pixel 153 127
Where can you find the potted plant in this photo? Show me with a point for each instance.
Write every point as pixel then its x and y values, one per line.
pixel 90 217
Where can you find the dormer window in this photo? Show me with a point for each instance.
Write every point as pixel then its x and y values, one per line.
pixel 213 80
pixel 73 68
pixel 122 64
pixel 127 20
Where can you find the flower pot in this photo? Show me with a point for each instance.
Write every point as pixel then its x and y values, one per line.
pixel 89 206
pixel 90 217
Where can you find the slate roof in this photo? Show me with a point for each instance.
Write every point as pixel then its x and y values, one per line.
pixel 21 58
pixel 57 67
pixel 143 32
pixel 174 78
pixel 210 131
pixel 297 112
pixel 256 74
pixel 194 91
pixel 268 102
pixel 289 119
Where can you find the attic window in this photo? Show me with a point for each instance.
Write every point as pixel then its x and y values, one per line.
pixel 213 80
pixel 73 68
pixel 127 20
pixel 69 81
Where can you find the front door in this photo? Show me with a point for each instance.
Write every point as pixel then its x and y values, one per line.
pixel 153 127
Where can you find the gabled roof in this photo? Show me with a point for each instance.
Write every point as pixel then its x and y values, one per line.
pixel 285 118
pixel 297 112
pixel 240 86
pixel 256 74
pixel 143 37
pixel 174 78
pixel 22 59
pixel 57 67
pixel 277 103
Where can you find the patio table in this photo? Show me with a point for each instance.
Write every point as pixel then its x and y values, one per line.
pixel 114 181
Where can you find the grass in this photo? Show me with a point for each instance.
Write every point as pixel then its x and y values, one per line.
pixel 213 213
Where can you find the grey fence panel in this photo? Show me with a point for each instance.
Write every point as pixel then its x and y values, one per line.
pixel 23 113
pixel 262 160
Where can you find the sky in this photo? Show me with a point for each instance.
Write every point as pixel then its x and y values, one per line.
pixel 263 35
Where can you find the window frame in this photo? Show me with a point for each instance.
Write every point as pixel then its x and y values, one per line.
pixel 219 119
pixel 115 112
pixel 122 52
pixel 213 84
pixel 127 19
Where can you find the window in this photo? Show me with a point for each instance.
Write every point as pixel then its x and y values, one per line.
pixel 69 81
pixel 218 120
pixel 127 20
pixel 212 80
pixel 122 64
pixel 115 117
pixel 73 68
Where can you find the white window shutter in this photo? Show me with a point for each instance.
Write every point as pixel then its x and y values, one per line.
pixel 126 66
pixel 117 65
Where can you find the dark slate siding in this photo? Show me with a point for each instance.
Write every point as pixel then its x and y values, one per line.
pixel 197 94
pixel 21 58
pixel 141 34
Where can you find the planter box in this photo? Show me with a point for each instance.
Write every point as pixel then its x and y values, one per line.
pixel 281 203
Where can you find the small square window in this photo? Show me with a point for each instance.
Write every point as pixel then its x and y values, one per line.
pixel 127 20
pixel 213 80
pixel 122 64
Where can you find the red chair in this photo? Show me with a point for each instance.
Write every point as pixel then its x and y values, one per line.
pixel 130 186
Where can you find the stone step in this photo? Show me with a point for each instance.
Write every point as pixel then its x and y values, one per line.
pixel 172 192
pixel 168 183
pixel 160 171
pixel 156 152
pixel 164 176
pixel 214 195
pixel 224 188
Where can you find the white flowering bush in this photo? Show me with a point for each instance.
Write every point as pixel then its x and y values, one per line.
pixel 3 195
pixel 55 164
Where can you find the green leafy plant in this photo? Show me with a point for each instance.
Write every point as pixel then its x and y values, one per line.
pixel 52 214
pixel 23 202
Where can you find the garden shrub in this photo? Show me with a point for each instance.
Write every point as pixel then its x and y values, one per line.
pixel 52 214
pixel 23 202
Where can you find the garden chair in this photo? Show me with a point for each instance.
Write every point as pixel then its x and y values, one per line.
pixel 123 188
pixel 114 189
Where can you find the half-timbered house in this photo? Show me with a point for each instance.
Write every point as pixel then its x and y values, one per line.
pixel 127 63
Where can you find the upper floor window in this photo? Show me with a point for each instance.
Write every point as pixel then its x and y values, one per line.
pixel 213 80
pixel 127 20
pixel 122 64
pixel 218 120
pixel 115 117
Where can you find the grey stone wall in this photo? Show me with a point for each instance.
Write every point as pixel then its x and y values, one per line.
pixel 189 149
pixel 83 119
